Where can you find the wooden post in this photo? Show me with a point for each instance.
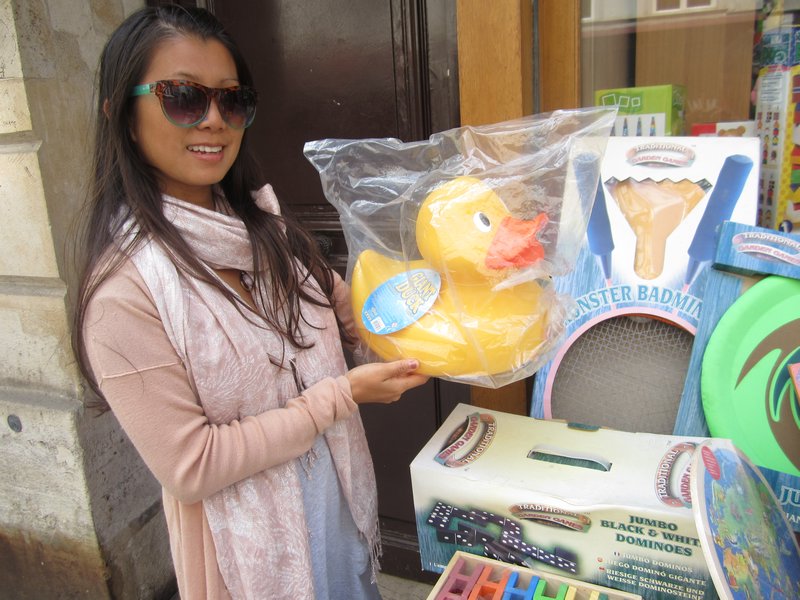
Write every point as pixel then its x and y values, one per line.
pixel 495 60
pixel 559 54
pixel 495 74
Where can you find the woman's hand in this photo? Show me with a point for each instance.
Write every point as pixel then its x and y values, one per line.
pixel 384 382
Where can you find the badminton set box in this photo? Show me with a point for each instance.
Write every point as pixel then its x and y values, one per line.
pixel 745 350
pixel 656 110
pixel 651 236
pixel 778 126
pixel 654 515
pixel 602 506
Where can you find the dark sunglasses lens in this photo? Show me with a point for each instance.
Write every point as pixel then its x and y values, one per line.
pixel 184 104
pixel 238 107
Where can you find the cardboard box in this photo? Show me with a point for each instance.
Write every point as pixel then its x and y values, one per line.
pixel 605 507
pixel 466 572
pixel 750 250
pixel 646 257
pixel 778 126
pixel 646 111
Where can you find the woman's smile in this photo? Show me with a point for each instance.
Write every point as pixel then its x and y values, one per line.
pixel 207 152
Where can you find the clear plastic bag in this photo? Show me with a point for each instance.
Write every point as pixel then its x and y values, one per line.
pixel 453 241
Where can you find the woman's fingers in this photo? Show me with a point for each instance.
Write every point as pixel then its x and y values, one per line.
pixel 384 382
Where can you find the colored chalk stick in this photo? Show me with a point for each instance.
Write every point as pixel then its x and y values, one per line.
pixel 512 592
pixel 485 588
pixel 539 593
pixel 459 583
pixel 572 591
pixel 794 371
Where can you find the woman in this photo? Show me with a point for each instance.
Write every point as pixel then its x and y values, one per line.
pixel 212 328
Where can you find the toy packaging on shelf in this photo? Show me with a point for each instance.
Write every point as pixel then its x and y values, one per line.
pixel 648 245
pixel 452 241
pixel 605 507
pixel 779 46
pixel 648 111
pixel 725 129
pixel 778 126
pixel 747 340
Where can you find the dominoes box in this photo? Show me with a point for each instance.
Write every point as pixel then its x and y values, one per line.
pixel 605 507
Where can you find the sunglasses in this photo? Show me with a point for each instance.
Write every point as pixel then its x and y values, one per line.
pixel 186 103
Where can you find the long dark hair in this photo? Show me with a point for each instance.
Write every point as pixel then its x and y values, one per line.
pixel 123 185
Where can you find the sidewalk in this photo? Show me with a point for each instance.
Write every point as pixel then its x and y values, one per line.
pixel 393 588
pixel 396 588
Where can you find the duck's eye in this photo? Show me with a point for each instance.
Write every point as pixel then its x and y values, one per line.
pixel 482 222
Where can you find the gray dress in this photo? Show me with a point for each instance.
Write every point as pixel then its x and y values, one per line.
pixel 339 553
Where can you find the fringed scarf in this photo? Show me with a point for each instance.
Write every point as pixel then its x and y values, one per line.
pixel 258 524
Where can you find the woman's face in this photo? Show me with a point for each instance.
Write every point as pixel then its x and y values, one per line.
pixel 187 160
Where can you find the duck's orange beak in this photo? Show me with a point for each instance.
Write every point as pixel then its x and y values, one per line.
pixel 516 244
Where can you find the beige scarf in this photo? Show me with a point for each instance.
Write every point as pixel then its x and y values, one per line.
pixel 258 524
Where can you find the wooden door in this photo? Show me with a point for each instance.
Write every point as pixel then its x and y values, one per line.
pixel 355 69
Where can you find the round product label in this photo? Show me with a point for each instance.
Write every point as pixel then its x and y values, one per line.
pixel 401 301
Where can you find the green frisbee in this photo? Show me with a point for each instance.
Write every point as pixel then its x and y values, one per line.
pixel 745 383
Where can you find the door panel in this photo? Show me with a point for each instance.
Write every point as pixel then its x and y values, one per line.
pixel 321 72
pixel 354 69
pixel 398 432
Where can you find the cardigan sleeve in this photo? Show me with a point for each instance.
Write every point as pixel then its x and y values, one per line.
pixel 148 389
pixel 343 305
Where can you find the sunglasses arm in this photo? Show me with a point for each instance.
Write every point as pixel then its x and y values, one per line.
pixel 143 90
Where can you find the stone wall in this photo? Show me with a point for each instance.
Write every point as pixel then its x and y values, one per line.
pixel 80 515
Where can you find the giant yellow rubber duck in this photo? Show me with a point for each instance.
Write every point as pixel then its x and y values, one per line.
pixel 469 243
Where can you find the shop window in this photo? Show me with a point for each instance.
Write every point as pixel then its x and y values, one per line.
pixel 670 5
